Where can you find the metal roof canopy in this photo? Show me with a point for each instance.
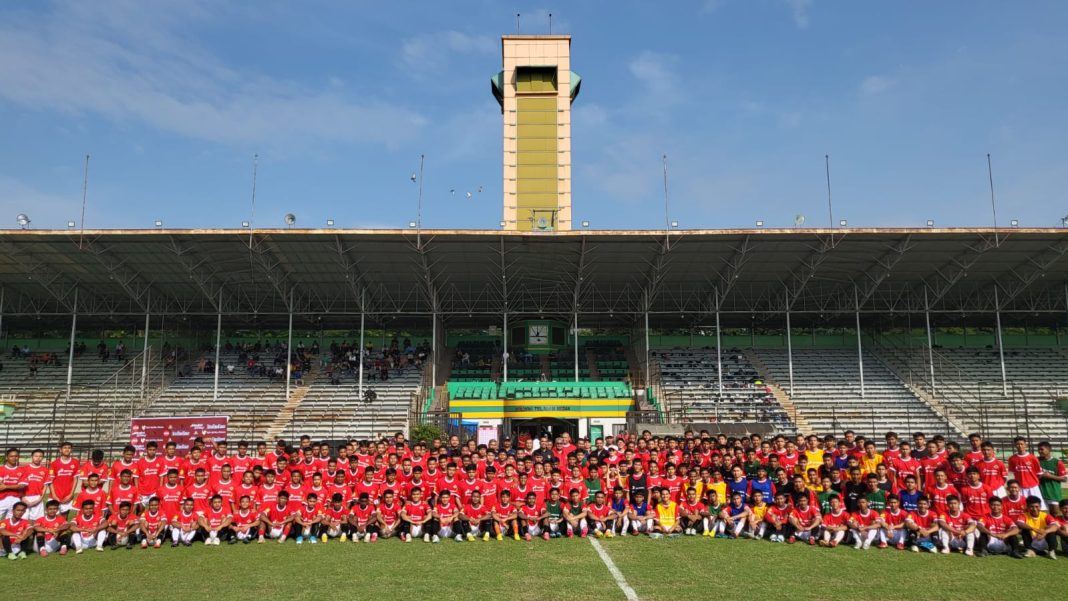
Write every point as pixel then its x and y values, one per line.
pixel 470 277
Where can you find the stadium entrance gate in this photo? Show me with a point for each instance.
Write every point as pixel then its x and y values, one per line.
pixel 535 427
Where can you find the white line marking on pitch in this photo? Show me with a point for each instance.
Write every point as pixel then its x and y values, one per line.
pixel 621 582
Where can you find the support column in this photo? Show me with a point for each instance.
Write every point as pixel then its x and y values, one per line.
pixel 930 340
pixel 789 345
pixel 289 346
pixel 218 350
pixel 360 353
pixel 1001 345
pixel 70 351
pixel 504 352
pixel 719 350
pixel 434 349
pixel 860 346
pixel 144 357
pixel 2 313
pixel 574 339
pixel 647 374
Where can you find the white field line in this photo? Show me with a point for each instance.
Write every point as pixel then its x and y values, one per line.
pixel 621 582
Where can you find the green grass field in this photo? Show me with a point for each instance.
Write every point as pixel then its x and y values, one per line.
pixel 686 568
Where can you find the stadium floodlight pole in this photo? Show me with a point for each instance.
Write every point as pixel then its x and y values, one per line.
pixel 1001 345
pixel 827 164
pixel 419 208
pixel 667 213
pixel 576 341
pixel 85 190
pixel 860 346
pixel 289 345
pixel 218 348
pixel 930 340
pixel 789 345
pixel 434 347
pixel 646 293
pixel 504 353
pixel 993 205
pixel 2 312
pixel 252 216
pixel 70 351
pixel 360 353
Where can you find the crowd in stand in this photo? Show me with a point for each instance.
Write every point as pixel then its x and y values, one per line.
pixel 919 495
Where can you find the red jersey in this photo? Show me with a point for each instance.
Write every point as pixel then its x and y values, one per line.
pixel 972 458
pixel 215 518
pixel 774 512
pixel 895 518
pixel 120 494
pixel 993 473
pixel 119 465
pixel 88 523
pixel 832 519
pixel 466 487
pixel 10 476
pixel 938 497
pixel 336 514
pixel 186 520
pixel 362 514
pixel 1025 468
pixel 580 485
pixel 686 508
pixel 34 477
pixel 390 514
pixel 417 512
pixel 241 464
pixel 309 514
pixel 97 496
pixel 122 523
pixel 16 528
pixel 957 479
pixel 62 474
pixel 478 513
pixel 244 517
pixel 277 514
pixel 600 512
pixel 89 468
pixel 369 488
pixel 47 522
pixel 674 486
pixel 957 522
pixel 172 463
pixel 170 499
pixel 806 517
pixel 201 495
pixel 975 500
pixel 296 492
pixel 1014 508
pixel 923 520
pixel 997 524
pixel 396 486
pixel 154 520
pixel 150 474
pixel 267 495
pixel 904 468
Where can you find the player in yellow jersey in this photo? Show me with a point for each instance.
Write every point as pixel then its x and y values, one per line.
pixel 666 517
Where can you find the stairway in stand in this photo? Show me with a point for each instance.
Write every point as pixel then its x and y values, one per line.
pixel 285 414
pixel 780 395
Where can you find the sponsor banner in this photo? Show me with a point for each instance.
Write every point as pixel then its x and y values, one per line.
pixel 181 430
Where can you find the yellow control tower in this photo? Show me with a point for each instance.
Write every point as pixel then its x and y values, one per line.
pixel 535 90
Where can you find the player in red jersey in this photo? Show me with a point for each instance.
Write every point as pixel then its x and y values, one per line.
pixel 89 528
pixel 92 492
pixel 367 486
pixel 123 526
pixel 1026 470
pixel 185 525
pixel 895 529
pixel 531 517
pixel 806 520
pixel 597 515
pixel 992 470
pixel 975 495
pixel 923 527
pixel 446 513
pixel 998 533
pixel 835 523
pixel 150 471
pixel 388 516
pixel 11 482
pixel 171 460
pixel 307 518
pixel 62 477
pixel 475 518
pixel 905 464
pixel 200 491
pixel 170 495
pixel 95 465
pixel 246 520
pixel 51 530
pixel 417 519
pixel 363 519
pixel 15 531
pixel 505 517
pixel 153 524
pixel 340 487
pixel 126 462
pixel 267 493
pixel 1014 502
pixel 957 528
pixel 225 486
pixel 216 522
pixel 777 517
pixel 277 518
pixel 939 490
pixel 334 517
pixel 866 525
pixel 125 491
pixel 34 476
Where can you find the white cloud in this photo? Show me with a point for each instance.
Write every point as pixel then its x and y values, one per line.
pixel 432 50
pixel 875 84
pixel 131 63
pixel 656 73
pixel 800 10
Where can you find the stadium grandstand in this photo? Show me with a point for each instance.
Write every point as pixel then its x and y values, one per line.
pixel 513 333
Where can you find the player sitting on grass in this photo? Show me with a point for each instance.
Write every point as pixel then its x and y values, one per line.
pixel 246 521
pixel 693 515
pixel 957 528
pixel 89 528
pixel 505 517
pixel 307 519
pixel 895 530
pixel 363 519
pixel 476 518
pixel 805 520
pixel 665 516
pixel 575 515
pixel 998 533
pixel 923 527
pixel 334 520
pixel 123 526
pixel 52 530
pixel 152 525
pixel 1039 529
pixel 835 523
pixel 417 519
pixel 532 518
pixel 185 525
pixel 446 514
pixel 216 522
pixel 866 526
pixel 777 519
pixel 736 516
pixel 597 515
pixel 16 530
pixel 277 519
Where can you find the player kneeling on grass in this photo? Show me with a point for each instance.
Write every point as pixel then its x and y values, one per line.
pixel 363 520
pixel 123 526
pixel 277 519
pixel 16 530
pixel 447 513
pixel 777 518
pixel 476 519
pixel 89 529
pixel 805 520
pixel 894 522
pixel 246 521
pixel 736 516
pixel 185 525
pixel 554 514
pixel 998 533
pixel 506 517
pixel 617 518
pixel 923 527
pixel 597 515
pixel 417 519
pixel 693 514
pixel 52 530
pixel 757 526
pixel 639 515
pixel 866 526
pixel 152 526
pixel 666 517
pixel 575 515
pixel 957 528
pixel 388 516
pixel 532 517
pixel 334 520
pixel 1039 529
pixel 217 522
pixel 307 519
pixel 835 523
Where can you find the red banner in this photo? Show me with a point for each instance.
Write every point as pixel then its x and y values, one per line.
pixel 181 430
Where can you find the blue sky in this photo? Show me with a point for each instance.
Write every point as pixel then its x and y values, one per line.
pixel 173 98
